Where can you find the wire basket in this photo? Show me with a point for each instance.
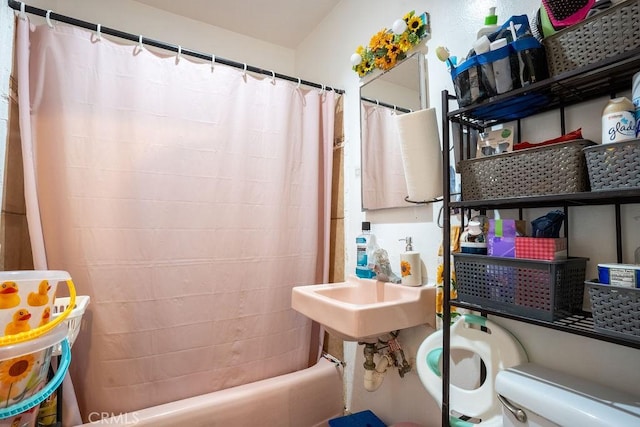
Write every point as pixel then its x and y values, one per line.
pixel 552 169
pixel 604 35
pixel 544 290
pixel 616 310
pixel 614 166
pixel 74 320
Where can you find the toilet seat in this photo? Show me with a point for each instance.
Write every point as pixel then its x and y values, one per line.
pixel 498 349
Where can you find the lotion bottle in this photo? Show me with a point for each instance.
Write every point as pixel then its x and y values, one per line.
pixel 410 265
pixel 490 23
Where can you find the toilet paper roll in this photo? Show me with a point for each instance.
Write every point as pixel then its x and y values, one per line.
pixel 421 154
pixel 411 268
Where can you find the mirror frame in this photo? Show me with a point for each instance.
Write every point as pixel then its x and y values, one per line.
pixel 419 56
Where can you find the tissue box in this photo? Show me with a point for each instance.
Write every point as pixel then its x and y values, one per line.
pixel 623 275
pixel 541 248
pixel 502 236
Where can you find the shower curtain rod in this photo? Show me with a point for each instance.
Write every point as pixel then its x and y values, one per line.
pixel 384 104
pixel 17 5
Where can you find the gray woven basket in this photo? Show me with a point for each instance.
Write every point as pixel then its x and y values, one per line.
pixel 604 35
pixel 545 290
pixel 616 311
pixel 614 166
pixel 552 169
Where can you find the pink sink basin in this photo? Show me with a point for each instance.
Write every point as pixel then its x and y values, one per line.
pixel 364 309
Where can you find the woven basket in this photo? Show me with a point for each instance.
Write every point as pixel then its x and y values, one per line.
pixel 604 35
pixel 552 169
pixel 614 166
pixel 616 310
pixel 544 290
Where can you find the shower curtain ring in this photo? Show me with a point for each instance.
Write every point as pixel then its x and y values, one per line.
pixel 245 70
pixel 23 14
pixel 273 77
pixel 179 53
pixel 213 61
pixel 48 18
pixel 140 42
pixel 299 82
pixel 99 32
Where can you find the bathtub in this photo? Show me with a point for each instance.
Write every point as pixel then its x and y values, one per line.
pixel 305 398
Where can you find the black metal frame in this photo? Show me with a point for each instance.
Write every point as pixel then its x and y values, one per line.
pixel 603 78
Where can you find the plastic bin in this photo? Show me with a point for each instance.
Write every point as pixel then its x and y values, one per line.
pixel 544 290
pixel 616 310
pixel 551 169
pixel 26 298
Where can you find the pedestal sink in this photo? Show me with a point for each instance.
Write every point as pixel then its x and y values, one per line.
pixel 364 309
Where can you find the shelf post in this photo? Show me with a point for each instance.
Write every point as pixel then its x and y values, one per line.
pixel 446 254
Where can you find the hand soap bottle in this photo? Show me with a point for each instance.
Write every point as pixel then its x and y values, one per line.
pixel 410 265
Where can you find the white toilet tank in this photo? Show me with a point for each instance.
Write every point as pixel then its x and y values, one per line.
pixel 551 398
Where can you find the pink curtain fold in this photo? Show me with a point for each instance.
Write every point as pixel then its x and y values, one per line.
pixel 186 201
pixel 384 184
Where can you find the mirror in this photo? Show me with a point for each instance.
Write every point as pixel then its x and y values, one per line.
pixel 399 90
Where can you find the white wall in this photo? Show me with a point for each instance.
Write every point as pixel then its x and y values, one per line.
pixel 324 57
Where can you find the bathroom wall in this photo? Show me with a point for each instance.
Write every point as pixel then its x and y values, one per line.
pixel 324 57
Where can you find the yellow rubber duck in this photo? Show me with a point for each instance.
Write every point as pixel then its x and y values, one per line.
pixel 20 322
pixel 46 316
pixel 9 297
pixel 40 298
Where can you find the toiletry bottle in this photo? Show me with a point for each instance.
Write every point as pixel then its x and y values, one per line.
pixel 502 68
pixel 362 242
pixel 480 46
pixel 618 121
pixel 490 23
pixel 410 265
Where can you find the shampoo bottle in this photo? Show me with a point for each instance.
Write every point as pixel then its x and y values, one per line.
pixel 410 265
pixel 490 23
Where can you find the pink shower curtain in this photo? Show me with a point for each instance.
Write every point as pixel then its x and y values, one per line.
pixel 384 185
pixel 186 201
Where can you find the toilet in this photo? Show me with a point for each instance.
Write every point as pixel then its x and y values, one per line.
pixel 535 396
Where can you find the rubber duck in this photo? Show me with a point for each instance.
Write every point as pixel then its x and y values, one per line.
pixel 36 299
pixel 46 316
pixel 9 297
pixel 20 322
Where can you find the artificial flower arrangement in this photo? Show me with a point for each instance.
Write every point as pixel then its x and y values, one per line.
pixel 387 47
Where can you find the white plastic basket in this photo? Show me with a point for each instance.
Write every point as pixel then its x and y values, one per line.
pixel 74 320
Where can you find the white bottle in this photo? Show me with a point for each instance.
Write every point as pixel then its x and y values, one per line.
pixel 502 69
pixel 480 46
pixel 490 23
pixel 410 265
pixel 618 121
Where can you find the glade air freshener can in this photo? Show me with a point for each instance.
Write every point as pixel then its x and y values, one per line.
pixel 618 121
pixel 635 98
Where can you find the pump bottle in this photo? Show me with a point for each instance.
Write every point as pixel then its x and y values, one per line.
pixel 410 265
pixel 490 23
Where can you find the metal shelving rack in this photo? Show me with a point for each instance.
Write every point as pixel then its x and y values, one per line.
pixel 607 77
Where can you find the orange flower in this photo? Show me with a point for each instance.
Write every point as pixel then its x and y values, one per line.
pixel 405 268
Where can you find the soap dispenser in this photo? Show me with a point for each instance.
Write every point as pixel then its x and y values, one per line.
pixel 410 265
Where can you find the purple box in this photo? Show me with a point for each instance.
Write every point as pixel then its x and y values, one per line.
pixel 502 237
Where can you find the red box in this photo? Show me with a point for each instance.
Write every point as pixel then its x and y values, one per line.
pixel 541 248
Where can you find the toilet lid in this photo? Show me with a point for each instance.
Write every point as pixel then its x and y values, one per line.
pixel 498 349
